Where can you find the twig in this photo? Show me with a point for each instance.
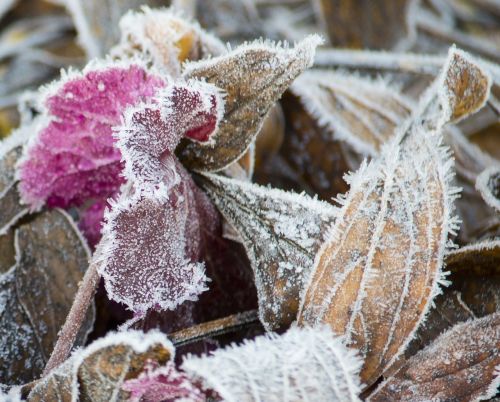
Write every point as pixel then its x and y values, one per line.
pixel 213 328
pixel 73 323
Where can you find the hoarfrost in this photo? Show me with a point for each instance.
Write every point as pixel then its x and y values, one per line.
pixel 389 241
pixel 304 364
pixel 488 185
pixel 281 233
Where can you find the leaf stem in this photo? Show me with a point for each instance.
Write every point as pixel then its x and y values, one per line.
pixel 73 323
pixel 213 328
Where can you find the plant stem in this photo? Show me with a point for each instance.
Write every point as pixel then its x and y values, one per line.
pixel 213 328
pixel 73 323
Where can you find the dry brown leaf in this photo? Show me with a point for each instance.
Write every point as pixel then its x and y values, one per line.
pixel 270 137
pixel 7 252
pixel 359 111
pixel 253 76
pixel 365 23
pixel 460 365
pixel 10 207
pixel 474 291
pixel 103 366
pixel 57 386
pixel 38 290
pixel 375 278
pixel 319 160
pixel 290 229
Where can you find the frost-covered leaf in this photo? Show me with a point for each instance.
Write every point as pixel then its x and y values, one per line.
pixel 375 278
pixel 462 365
pixel 101 369
pixel 150 132
pixel 155 235
pixel 488 185
pixel 72 157
pixel 56 386
pixel 10 152
pixel 7 251
pixel 163 384
pixel 474 292
pixel 37 293
pixel 281 232
pixel 302 364
pixel 164 37
pixel 362 112
pixel 97 21
pixel 366 24
pixel 253 77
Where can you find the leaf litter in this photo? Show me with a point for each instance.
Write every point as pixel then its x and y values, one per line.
pixel 208 181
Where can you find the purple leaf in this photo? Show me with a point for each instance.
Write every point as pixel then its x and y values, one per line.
pixel 72 157
pixel 163 384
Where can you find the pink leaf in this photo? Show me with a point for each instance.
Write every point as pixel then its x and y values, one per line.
pixel 72 156
pixel 163 384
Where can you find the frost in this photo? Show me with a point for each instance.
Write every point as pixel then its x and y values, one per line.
pixel 465 357
pixel 253 77
pixel 163 384
pixel 153 233
pixel 389 241
pixel 150 132
pixel 290 229
pixel 304 364
pixel 164 37
pixel 362 112
pixel 72 157
pixel 488 185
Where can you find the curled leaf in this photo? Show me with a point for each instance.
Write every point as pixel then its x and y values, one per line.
pixel 388 243
pixel 359 111
pixel 302 364
pixel 290 228
pixel 462 364
pixel 253 76
pixel 166 38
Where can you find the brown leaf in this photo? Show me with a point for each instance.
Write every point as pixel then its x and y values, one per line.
pixel 7 252
pixel 10 202
pixel 365 23
pixel 474 291
pixel 97 372
pixel 103 366
pixel 460 365
pixel 289 228
pixel 359 111
pixel 253 77
pixel 375 278
pixel 38 290
pixel 270 137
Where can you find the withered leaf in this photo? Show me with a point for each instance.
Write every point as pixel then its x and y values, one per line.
pixel 51 260
pixel 10 207
pixel 7 252
pixel 103 367
pixel 359 111
pixel 253 76
pixel 474 291
pixel 375 278
pixel 56 386
pixel 488 185
pixel 37 293
pixel 313 153
pixel 97 21
pixel 365 24
pixel 281 233
pixel 460 365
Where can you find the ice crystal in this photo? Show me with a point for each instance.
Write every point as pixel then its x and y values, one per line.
pixel 304 364
pixel 163 384
pixel 291 228
pixel 72 157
